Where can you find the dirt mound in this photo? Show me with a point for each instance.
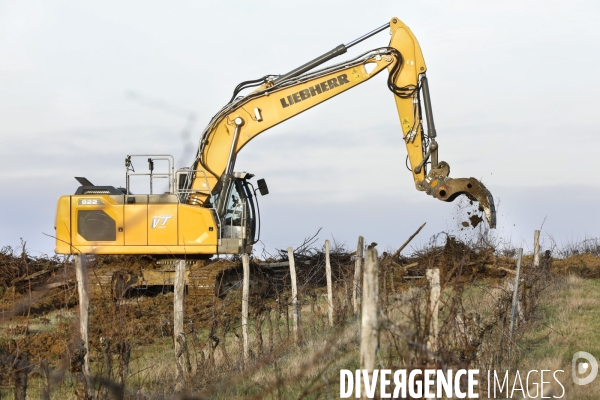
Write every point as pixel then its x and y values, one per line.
pixel 584 265
pixel 456 260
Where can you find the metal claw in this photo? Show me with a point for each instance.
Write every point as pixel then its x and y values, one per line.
pixel 474 190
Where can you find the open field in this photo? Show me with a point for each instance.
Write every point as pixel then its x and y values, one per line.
pixel 131 340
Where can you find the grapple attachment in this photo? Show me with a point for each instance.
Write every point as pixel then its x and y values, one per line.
pixel 451 188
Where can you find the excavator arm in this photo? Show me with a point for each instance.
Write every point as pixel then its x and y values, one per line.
pixel 282 97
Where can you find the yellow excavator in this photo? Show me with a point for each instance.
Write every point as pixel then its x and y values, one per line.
pixel 211 209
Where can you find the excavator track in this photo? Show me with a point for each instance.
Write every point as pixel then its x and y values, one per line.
pixel 204 278
pixel 219 278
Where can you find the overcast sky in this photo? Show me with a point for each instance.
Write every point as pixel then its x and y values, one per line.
pixel 514 86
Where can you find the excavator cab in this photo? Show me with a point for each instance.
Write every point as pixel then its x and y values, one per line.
pixel 238 213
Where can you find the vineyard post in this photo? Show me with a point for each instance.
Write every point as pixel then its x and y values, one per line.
pixel 433 277
pixel 369 338
pixel 180 344
pixel 277 318
pixel 536 249
pixel 21 368
pixel 270 320
pixel 259 342
pixel 294 291
pixel 529 281
pixel 84 302
pixel 245 295
pixel 515 299
pixel 357 274
pixel 329 284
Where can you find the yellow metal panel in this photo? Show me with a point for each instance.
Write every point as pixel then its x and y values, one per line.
pixel 195 224
pixel 105 203
pixel 62 225
pixel 169 250
pixel 413 64
pixel 275 108
pixel 162 224
pixel 136 224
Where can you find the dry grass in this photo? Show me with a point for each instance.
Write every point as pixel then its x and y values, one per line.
pixel 569 322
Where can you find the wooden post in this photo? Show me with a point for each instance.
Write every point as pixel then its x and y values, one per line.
pixel 179 293
pixel 258 322
pixel 357 274
pixel 277 318
pixel 329 284
pixel 515 299
pixel 270 329
pixel 531 284
pixel 45 370
pixel 179 341
pixel 397 253
pixel 347 297
pixel 369 338
pixel 84 303
pixel 124 349
pixel 295 310
pixel 287 318
pixel 313 310
pixel 245 295
pixel 384 286
pixel 104 391
pixel 433 277
pixel 21 370
pixel 536 249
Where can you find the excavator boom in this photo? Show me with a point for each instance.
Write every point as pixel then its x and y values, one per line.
pixel 283 97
